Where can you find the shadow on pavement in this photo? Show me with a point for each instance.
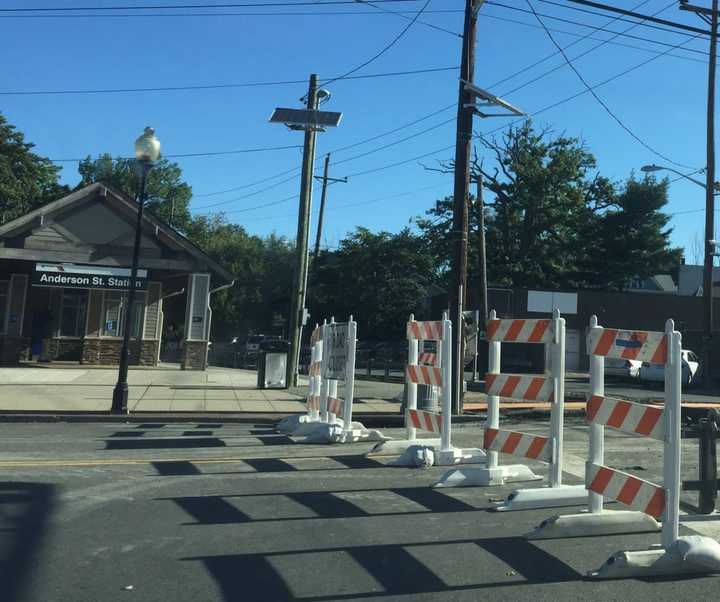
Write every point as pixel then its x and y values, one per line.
pixel 25 510
pixel 395 568
pixel 164 443
pixel 222 509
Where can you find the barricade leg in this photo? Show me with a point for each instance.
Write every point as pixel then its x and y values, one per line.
pixel 449 455
pixel 492 473
pixel 557 494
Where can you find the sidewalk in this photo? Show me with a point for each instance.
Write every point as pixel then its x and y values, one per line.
pixel 218 390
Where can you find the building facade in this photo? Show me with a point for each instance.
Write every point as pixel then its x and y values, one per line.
pixel 64 278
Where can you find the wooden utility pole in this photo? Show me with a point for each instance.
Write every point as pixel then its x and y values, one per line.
pixel 709 16
pixel 458 280
pixel 297 301
pixel 482 259
pixel 325 179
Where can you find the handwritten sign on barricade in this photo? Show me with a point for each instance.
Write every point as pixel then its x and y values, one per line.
pixel 336 348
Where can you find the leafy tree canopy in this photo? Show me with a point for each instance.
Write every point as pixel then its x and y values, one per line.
pixel 27 180
pixel 380 278
pixel 553 222
pixel 168 196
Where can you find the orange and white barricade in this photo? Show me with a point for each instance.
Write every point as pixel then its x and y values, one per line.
pixel 649 502
pixel 435 370
pixel 303 424
pixel 548 387
pixel 338 344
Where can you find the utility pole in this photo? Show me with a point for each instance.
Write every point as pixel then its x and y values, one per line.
pixel 325 179
pixel 482 259
pixel 458 280
pixel 297 302
pixel 712 13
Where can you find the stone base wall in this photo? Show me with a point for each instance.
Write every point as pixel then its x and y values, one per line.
pixel 107 352
pixel 194 355
pixel 13 349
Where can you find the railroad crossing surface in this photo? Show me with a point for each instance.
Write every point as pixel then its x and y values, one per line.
pixel 219 511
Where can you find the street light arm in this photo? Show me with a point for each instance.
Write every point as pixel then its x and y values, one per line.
pixel 682 175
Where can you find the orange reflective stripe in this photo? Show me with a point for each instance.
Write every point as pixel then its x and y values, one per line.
pixel 656 505
pixel 492 327
pixel 660 355
pixel 536 447
pixel 648 421
pixel 511 443
pixel 592 407
pixel 489 437
pixel 509 386
pixel 601 480
pixel 514 330
pixel 617 416
pixel 534 389
pixel 629 491
pixel 606 342
pixel 538 331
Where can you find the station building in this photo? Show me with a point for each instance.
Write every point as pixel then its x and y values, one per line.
pixel 64 278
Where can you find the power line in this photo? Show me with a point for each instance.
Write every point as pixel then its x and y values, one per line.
pixel 622 11
pixel 590 37
pixel 553 54
pixel 602 103
pixel 582 54
pixel 217 86
pixel 570 21
pixel 333 151
pixel 188 6
pixel 210 154
pixel 377 55
pixel 404 16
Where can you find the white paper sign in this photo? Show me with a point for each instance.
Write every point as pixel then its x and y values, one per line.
pixel 335 347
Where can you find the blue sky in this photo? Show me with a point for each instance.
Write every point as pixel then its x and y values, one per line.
pixel 662 102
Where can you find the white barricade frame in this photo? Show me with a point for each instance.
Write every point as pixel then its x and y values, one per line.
pixel 337 409
pixel 650 501
pixel 547 387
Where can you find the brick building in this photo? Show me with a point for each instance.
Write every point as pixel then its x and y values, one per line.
pixel 64 275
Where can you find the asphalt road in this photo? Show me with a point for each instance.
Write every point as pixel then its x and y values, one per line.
pixel 204 512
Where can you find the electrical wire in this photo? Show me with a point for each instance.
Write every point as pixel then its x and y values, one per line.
pixel 387 47
pixel 693 31
pixel 582 54
pixel 188 6
pixel 216 86
pixel 600 101
pixel 619 44
pixel 210 154
pixel 404 16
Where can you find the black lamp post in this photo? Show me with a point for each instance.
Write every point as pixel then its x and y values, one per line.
pixel 147 151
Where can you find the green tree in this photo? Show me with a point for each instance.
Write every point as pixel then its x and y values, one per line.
pixel 168 196
pixel 551 218
pixel 27 180
pixel 263 269
pixel 379 278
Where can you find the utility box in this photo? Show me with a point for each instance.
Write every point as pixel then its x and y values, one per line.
pixel 272 365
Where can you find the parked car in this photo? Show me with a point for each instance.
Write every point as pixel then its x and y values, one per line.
pixel 656 372
pixel 624 368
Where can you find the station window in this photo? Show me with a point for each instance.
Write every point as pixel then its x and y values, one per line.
pixel 73 306
pixel 4 285
pixel 114 313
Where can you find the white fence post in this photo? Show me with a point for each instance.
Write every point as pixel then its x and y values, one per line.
pixel 447 378
pixel 672 455
pixel 411 401
pixel 557 408
pixel 493 401
pixel 350 373
pixel 597 431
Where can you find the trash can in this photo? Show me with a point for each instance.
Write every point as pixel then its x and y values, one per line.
pixel 272 364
